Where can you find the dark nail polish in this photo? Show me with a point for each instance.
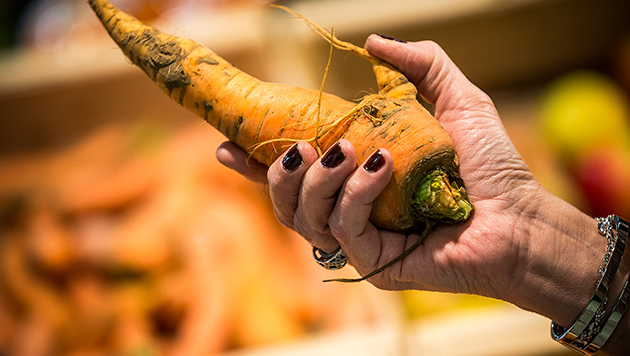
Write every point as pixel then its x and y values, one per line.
pixel 375 162
pixel 333 157
pixel 391 38
pixel 292 159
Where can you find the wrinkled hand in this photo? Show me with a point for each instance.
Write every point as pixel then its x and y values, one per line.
pixel 328 200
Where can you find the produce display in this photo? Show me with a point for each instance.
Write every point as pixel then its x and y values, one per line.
pixel 133 241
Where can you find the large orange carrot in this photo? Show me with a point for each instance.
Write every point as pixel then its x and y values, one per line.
pixel 425 185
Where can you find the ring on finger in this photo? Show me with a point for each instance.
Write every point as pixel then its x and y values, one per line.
pixel 332 261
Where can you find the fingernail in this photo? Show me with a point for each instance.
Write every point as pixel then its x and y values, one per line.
pixel 292 159
pixel 375 162
pixel 390 38
pixel 333 157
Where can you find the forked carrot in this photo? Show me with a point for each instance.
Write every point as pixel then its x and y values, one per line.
pixel 266 118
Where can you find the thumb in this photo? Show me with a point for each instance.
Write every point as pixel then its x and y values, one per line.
pixel 426 65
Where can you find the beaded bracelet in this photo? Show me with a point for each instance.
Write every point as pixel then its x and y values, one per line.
pixel 586 336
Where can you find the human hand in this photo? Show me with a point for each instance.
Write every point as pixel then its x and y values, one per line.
pixel 497 253
pixel 461 108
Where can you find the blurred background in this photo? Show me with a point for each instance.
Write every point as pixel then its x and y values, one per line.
pixel 120 234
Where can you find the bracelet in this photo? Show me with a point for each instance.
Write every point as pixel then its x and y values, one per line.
pixel 611 322
pixel 598 300
pixel 586 336
pixel 620 307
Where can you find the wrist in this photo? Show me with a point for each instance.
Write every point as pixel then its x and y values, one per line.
pixel 562 252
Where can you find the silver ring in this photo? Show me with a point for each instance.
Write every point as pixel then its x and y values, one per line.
pixel 332 261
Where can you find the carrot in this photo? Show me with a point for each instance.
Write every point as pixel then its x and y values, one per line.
pixel 266 118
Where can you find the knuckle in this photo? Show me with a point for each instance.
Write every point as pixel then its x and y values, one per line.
pixel 283 218
pixel 300 226
pixel 485 102
pixel 354 190
pixel 273 178
pixel 337 228
pixel 433 46
pixel 283 214
pixel 308 189
pixel 313 233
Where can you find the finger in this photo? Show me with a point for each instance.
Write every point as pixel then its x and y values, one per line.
pixel 435 75
pixel 318 194
pixel 233 157
pixel 285 179
pixel 466 112
pixel 351 214
pixel 349 221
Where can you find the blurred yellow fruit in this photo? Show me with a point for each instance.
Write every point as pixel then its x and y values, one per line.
pixel 423 303
pixel 583 111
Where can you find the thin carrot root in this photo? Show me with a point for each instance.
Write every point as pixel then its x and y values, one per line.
pixel 264 118
pixel 427 230
pixel 318 124
pixel 358 112
pixel 334 41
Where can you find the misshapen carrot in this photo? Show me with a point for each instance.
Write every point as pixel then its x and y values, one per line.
pixel 425 185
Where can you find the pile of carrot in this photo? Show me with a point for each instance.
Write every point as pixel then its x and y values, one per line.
pixel 136 246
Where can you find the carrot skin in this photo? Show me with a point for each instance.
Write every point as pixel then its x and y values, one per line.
pixel 249 112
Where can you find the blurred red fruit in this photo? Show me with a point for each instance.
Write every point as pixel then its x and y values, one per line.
pixel 604 176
